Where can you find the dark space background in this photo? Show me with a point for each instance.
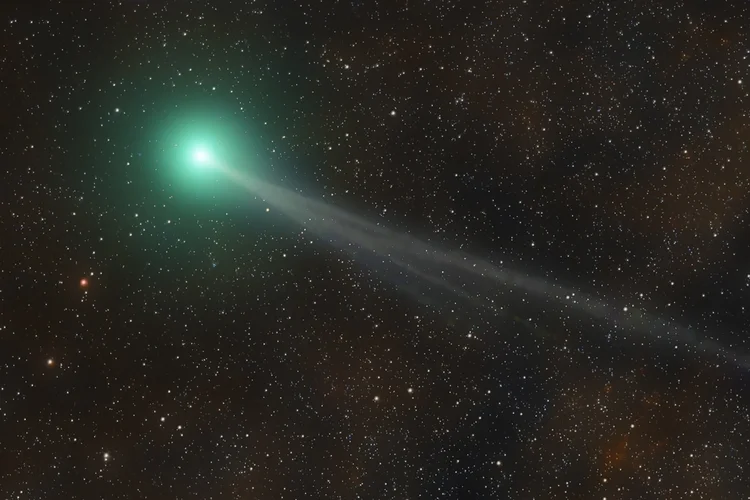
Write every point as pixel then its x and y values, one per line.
pixel 216 351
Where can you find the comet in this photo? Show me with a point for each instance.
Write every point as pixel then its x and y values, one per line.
pixel 437 275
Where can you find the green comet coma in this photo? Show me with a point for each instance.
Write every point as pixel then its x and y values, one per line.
pixel 198 137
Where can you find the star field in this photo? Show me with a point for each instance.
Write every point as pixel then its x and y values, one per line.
pixel 166 334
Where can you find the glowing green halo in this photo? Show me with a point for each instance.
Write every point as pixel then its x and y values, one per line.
pixel 198 140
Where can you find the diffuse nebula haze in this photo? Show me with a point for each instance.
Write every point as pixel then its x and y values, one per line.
pixel 458 276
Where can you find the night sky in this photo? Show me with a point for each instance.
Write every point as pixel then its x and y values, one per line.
pixel 165 334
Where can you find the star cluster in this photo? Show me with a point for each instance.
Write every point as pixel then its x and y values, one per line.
pixel 164 334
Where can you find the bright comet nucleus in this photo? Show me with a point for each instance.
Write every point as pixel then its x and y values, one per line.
pixel 201 156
